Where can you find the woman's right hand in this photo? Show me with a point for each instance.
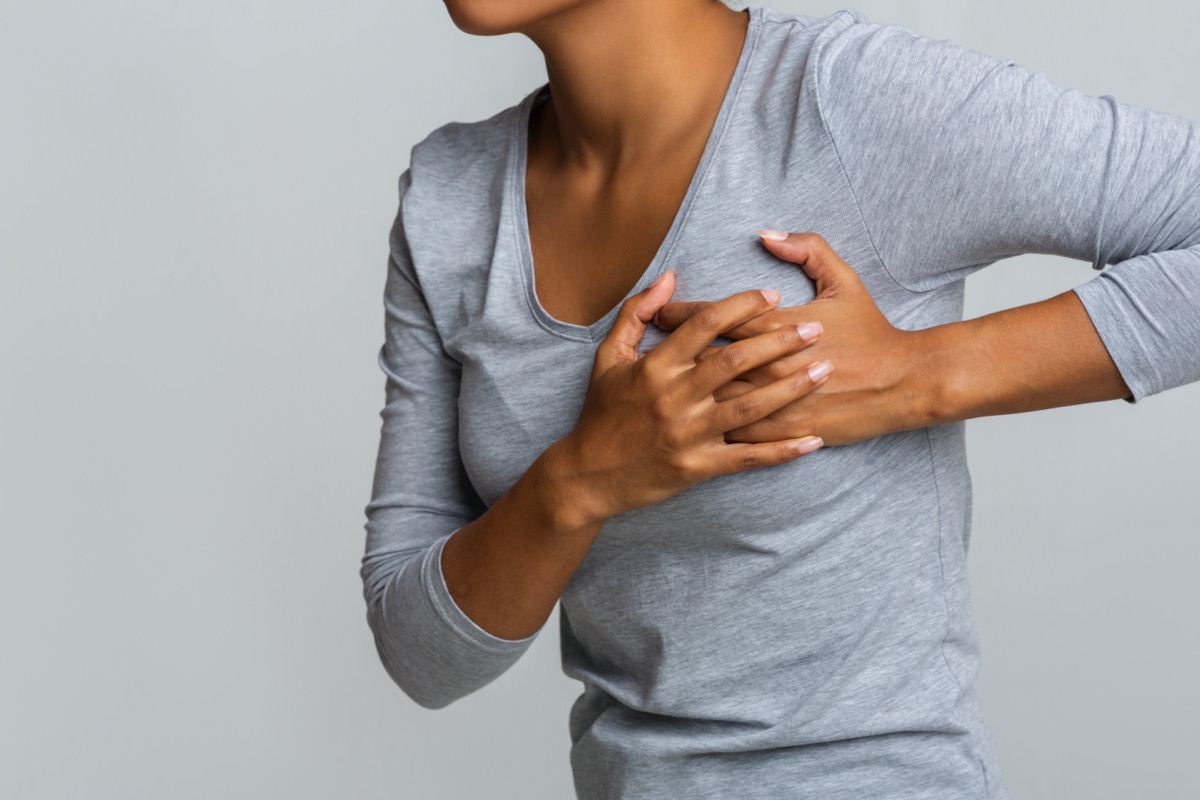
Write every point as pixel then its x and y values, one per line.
pixel 650 427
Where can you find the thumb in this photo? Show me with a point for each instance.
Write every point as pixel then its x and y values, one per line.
pixel 620 346
pixel 815 257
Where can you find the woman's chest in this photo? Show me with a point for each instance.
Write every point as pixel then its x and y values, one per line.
pixel 588 247
pixel 521 389
pixel 525 374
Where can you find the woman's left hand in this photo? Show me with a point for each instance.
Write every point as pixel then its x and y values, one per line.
pixel 876 384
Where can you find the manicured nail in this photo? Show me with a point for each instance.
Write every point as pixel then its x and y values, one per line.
pixel 660 278
pixel 771 295
pixel 809 330
pixel 819 370
pixel 774 236
pixel 807 445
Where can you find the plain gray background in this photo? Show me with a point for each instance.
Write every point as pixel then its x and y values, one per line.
pixel 196 200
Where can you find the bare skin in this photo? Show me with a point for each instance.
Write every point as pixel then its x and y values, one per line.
pixel 635 88
pixel 1033 357
pixel 610 157
pixel 601 195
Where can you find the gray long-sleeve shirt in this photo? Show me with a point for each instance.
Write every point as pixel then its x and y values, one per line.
pixel 803 630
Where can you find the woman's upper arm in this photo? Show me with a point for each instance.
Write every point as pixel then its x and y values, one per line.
pixel 958 159
pixel 420 495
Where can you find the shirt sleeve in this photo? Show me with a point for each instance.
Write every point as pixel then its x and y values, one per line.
pixel 420 496
pixel 958 159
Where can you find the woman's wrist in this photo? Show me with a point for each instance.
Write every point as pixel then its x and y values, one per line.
pixel 1041 355
pixel 571 502
pixel 931 377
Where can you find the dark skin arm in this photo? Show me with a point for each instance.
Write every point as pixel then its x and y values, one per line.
pixel 885 379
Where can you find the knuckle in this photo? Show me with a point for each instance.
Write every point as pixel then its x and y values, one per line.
pixel 751 458
pixel 687 466
pixel 732 358
pixel 660 409
pixel 746 406
pixel 708 319
pixel 626 311
pixel 647 368
pixel 675 438
pixel 801 386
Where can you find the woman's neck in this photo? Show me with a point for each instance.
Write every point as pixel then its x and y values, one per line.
pixel 629 79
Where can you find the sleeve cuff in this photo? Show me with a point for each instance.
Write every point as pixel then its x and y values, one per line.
pixel 1119 331
pixel 1119 337
pixel 1147 312
pixel 443 603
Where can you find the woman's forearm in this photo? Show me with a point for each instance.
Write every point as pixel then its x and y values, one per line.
pixel 507 569
pixel 1042 355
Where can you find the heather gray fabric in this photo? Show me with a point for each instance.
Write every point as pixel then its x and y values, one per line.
pixel 805 630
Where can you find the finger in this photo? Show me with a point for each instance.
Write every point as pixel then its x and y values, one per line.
pixel 769 321
pixel 686 342
pixel 762 402
pixel 735 389
pixel 672 315
pixel 620 346
pixel 779 368
pixel 815 257
pixel 760 376
pixel 759 325
pixel 739 457
pixel 769 429
pixel 740 357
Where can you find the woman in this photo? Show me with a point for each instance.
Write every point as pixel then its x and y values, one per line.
pixel 635 427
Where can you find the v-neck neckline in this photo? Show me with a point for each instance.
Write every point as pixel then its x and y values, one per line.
pixel 516 180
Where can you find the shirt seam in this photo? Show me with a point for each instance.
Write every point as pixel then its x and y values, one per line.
pixel 842 164
pixel 946 602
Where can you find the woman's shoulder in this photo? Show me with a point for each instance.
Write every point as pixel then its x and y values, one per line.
pixel 796 53
pixel 840 18
pixel 457 174
pixel 848 61
pixel 457 181
pixel 461 152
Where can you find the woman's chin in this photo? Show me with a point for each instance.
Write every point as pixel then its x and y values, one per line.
pixel 494 17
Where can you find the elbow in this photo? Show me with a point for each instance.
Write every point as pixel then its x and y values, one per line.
pixel 410 664
pixel 401 642
pixel 418 688
pixel 433 659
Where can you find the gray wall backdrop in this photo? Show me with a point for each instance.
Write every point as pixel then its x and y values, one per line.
pixel 195 204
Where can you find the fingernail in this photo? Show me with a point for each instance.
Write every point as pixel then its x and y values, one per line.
pixel 819 370
pixel 771 295
pixel 809 330
pixel 660 278
pixel 774 236
pixel 808 444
